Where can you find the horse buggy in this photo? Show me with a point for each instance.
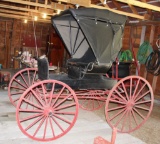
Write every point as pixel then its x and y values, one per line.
pixel 47 104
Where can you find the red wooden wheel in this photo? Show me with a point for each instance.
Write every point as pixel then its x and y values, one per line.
pixel 47 110
pixel 126 107
pixel 20 82
pixel 91 99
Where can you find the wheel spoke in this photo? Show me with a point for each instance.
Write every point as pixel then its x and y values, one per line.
pixel 18 88
pixel 65 113
pixel 62 101
pixel 116 108
pixel 44 93
pixel 138 113
pixel 51 93
pixel 120 95
pixel 65 106
pixel 120 118
pixel 33 104
pixel 58 124
pixel 124 121
pixel 29 82
pixel 45 128
pixel 134 117
pixel 24 80
pixel 143 102
pixel 140 91
pixel 137 84
pixel 119 102
pixel 37 97
pixel 16 100
pixel 58 96
pixel 31 117
pixel 32 111
pixel 20 83
pixel 16 93
pixel 130 94
pixel 34 77
pixel 114 116
pixel 51 127
pixel 142 95
pixel 140 107
pixel 40 125
pixel 63 119
pixel 33 123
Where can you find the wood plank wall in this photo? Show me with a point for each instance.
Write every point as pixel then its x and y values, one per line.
pixel 11 32
pixel 134 32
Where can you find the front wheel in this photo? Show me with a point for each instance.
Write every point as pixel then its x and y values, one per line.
pixel 129 104
pixel 47 110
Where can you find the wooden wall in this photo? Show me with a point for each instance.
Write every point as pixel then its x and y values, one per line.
pixel 11 37
pixel 134 36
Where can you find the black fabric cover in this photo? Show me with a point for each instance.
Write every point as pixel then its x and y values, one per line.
pixel 90 28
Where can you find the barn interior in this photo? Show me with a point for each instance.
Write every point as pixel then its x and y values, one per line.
pixel 27 32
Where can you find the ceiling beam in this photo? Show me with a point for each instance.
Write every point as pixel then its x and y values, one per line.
pixel 119 12
pixel 117 5
pixel 133 9
pixel 29 15
pixel 25 9
pixel 141 4
pixel 23 17
pixel 28 3
pixel 105 5
pixel 54 5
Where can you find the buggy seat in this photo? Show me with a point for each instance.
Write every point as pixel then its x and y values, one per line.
pixel 86 64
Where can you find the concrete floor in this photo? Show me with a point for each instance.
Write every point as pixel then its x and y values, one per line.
pixel 88 126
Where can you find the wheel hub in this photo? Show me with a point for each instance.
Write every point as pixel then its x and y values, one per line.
pixel 130 104
pixel 48 112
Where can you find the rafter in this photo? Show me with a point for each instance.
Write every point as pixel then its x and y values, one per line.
pixel 22 17
pixel 117 5
pixel 140 4
pixel 105 5
pixel 133 9
pixel 120 12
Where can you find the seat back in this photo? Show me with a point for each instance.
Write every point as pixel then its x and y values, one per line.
pixel 43 68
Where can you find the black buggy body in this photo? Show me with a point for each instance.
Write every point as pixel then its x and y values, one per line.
pixel 93 38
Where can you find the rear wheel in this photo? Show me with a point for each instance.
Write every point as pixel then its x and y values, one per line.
pixel 47 110
pixel 20 82
pixel 129 104
pixel 91 99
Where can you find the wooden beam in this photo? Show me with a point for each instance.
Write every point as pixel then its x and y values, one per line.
pixel 141 4
pixel 133 9
pixel 117 5
pixel 119 12
pixel 13 12
pixel 63 7
pixel 58 6
pixel 23 17
pixel 148 10
pixel 28 3
pixel 22 9
pixel 105 5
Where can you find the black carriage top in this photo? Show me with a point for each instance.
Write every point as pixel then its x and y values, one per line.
pixel 91 35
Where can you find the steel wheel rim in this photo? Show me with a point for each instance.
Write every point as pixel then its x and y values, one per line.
pixel 50 121
pixel 128 108
pixel 23 85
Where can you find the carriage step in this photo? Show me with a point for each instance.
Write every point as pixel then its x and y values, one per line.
pixel 100 140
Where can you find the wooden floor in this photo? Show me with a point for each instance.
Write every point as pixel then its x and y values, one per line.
pixel 88 126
